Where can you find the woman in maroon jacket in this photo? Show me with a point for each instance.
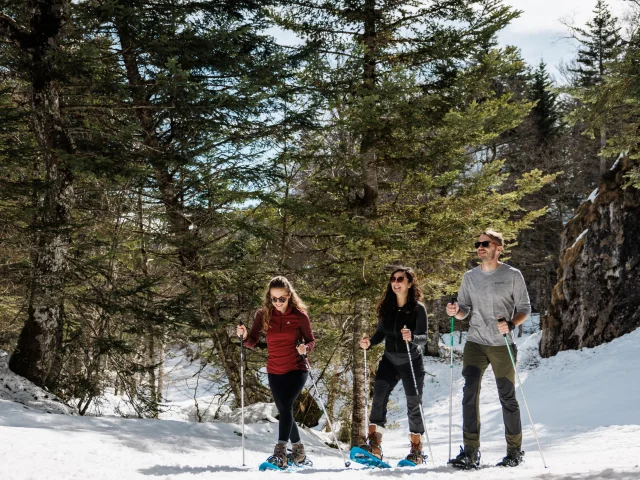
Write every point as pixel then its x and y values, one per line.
pixel 284 321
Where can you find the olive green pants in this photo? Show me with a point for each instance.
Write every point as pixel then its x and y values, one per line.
pixel 475 360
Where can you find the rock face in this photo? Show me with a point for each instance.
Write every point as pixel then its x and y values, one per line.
pixel 597 297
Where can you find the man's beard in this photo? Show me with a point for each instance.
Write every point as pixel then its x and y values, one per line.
pixel 489 256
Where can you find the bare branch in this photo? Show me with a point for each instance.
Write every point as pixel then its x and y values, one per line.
pixel 10 30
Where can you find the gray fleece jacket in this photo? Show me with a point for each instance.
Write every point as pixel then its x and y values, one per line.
pixel 489 295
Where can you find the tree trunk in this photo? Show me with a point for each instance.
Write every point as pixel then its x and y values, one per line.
pixel 360 327
pixel 332 392
pixel 151 368
pixel 603 144
pixel 37 354
pixel 438 323
pixel 160 376
pixel 368 144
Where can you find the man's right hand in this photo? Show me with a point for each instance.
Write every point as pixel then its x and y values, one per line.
pixel 452 309
pixel 365 343
pixel 241 331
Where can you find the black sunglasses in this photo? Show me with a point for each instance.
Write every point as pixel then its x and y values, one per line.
pixel 278 299
pixel 485 244
pixel 398 279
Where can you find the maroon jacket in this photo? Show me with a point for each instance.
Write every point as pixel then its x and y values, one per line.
pixel 285 329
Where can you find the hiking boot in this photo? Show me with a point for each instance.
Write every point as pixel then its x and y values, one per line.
pixel 298 457
pixel 415 453
pixel 513 459
pixel 374 441
pixel 279 457
pixel 468 459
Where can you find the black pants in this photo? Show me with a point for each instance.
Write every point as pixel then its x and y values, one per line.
pixel 387 377
pixel 285 389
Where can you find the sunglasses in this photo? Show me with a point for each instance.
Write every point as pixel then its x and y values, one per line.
pixel 398 279
pixel 485 244
pixel 278 299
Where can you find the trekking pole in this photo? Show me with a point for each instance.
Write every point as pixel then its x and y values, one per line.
pixel 306 362
pixel 453 301
pixel 366 393
pixel 242 389
pixel 522 390
pixel 415 385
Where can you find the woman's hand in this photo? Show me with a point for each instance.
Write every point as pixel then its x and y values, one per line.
pixel 365 342
pixel 241 331
pixel 406 334
pixel 302 349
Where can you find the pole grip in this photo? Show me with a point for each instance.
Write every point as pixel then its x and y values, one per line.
pixel 241 323
pixel 404 327
pixel 502 319
pixel 298 343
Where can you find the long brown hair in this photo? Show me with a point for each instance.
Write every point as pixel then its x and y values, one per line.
pixel 388 301
pixel 294 299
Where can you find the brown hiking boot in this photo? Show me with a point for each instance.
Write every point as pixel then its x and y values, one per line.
pixel 374 441
pixel 415 454
pixel 279 457
pixel 298 456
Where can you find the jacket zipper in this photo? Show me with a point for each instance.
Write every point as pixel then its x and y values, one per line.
pixel 395 330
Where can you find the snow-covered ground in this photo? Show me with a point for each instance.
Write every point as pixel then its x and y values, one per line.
pixel 584 403
pixel 16 389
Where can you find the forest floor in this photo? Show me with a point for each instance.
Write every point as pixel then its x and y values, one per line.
pixel 585 405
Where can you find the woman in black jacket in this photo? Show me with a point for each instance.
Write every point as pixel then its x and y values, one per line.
pixel 401 318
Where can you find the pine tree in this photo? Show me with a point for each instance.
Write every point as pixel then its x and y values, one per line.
pixel 396 174
pixel 203 81
pixel 616 101
pixel 35 33
pixel 545 113
pixel 600 44
pixel 181 118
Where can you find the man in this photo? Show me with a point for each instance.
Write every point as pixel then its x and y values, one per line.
pixel 496 296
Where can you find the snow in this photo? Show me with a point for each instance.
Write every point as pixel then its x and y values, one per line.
pixel 16 389
pixel 593 196
pixel 584 404
pixel 579 238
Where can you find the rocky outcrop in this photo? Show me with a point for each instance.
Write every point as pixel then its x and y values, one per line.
pixel 597 296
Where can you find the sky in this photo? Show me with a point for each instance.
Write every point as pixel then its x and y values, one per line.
pixel 539 31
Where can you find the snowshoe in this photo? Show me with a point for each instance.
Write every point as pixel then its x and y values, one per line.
pixel 468 459
pixel 363 457
pixel 513 459
pixel 277 461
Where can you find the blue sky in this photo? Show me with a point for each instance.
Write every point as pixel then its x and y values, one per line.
pixel 539 31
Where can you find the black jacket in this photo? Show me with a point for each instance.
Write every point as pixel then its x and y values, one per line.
pixel 390 324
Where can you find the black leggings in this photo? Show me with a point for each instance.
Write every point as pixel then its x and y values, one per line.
pixel 285 389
